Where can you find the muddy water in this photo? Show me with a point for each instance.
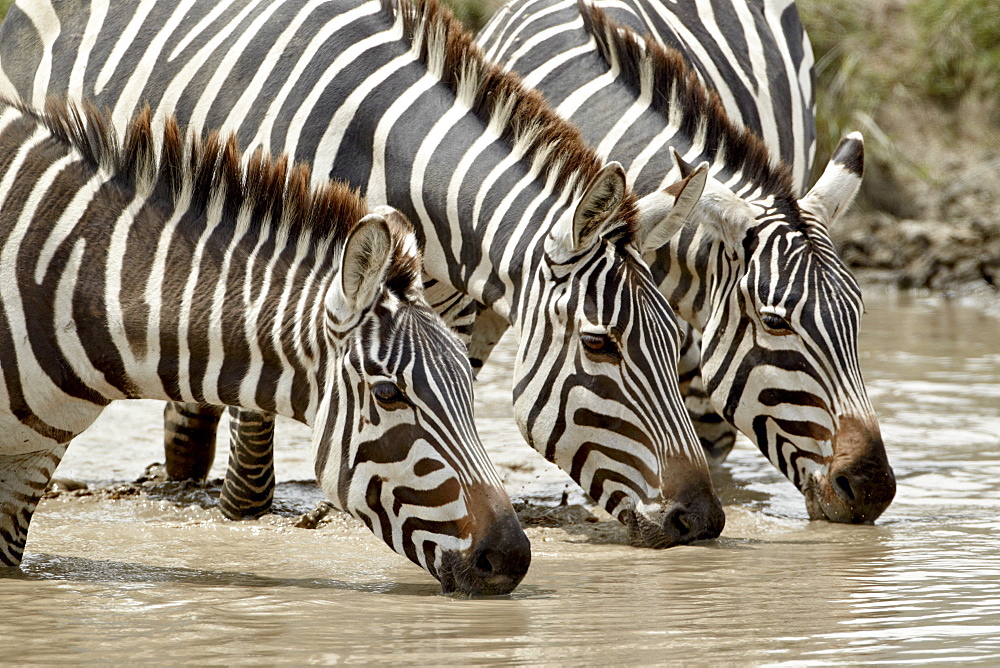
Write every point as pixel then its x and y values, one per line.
pixel 142 579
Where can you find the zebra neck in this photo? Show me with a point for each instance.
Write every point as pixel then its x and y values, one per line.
pixel 482 208
pixel 215 310
pixel 252 313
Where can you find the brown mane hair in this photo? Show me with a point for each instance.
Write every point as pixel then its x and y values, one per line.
pixel 210 170
pixel 674 81
pixel 521 116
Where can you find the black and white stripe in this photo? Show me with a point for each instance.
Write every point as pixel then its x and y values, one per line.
pixel 776 310
pixel 516 213
pixel 184 276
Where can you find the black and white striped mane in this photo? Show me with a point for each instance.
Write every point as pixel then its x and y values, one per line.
pixel 645 62
pixel 209 172
pixel 520 116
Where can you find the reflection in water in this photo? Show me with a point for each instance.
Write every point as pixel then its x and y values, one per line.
pixel 142 579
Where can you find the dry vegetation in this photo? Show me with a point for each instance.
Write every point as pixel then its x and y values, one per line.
pixel 921 80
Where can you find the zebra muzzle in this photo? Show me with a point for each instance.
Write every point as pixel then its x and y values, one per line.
pixel 498 558
pixel 859 483
pixel 696 514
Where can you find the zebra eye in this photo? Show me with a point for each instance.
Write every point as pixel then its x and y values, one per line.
pixel 387 393
pixel 775 324
pixel 599 344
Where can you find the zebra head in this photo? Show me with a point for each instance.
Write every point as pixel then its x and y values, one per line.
pixel 780 339
pixel 395 442
pixel 595 380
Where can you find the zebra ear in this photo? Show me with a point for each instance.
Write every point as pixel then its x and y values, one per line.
pixel 665 211
pixel 717 208
pixel 601 200
pixel 836 188
pixel 362 267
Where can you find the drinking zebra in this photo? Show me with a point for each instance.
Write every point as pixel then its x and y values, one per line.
pixel 757 57
pixel 177 274
pixel 521 224
pixel 758 277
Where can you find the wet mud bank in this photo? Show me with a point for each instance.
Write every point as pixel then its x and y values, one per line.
pixel 952 257
pixel 301 504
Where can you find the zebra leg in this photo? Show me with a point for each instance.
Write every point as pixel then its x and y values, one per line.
pixel 716 435
pixel 189 439
pixel 486 332
pixel 249 486
pixel 23 479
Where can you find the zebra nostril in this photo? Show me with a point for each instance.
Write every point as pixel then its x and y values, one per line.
pixel 678 520
pixel 842 486
pixel 483 563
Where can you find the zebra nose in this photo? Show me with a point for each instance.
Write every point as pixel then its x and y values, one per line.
pixel 499 560
pixel 679 523
pixel 863 491
pixel 700 519
pixel 843 487
pixel 860 476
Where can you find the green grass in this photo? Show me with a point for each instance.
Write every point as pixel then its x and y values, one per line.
pixel 474 13
pixel 919 52
pixel 959 48
pixel 4 6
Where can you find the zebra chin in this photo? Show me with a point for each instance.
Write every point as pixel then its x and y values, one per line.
pixel 857 483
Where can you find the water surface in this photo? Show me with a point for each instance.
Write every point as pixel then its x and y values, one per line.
pixel 145 580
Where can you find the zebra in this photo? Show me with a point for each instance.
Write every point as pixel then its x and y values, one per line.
pixel 177 274
pixel 522 226
pixel 758 277
pixel 759 60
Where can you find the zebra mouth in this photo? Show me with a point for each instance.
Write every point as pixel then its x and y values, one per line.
pixel 471 575
pixel 823 503
pixel 677 528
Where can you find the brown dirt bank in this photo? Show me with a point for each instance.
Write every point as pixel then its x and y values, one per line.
pixel 921 80
pixel 930 217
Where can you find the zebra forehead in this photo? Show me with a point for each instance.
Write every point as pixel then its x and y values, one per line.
pixel 519 115
pixel 617 288
pixel 408 332
pixel 645 62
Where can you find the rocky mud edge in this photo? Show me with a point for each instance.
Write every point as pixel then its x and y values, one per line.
pixel 301 503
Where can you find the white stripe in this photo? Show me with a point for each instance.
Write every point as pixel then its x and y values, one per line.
pixel 43 16
pixel 224 67
pixel 376 191
pixel 168 104
pixel 526 25
pixel 329 145
pixel 306 59
pixel 126 38
pixel 117 245
pixel 98 12
pixel 131 94
pixel 241 109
